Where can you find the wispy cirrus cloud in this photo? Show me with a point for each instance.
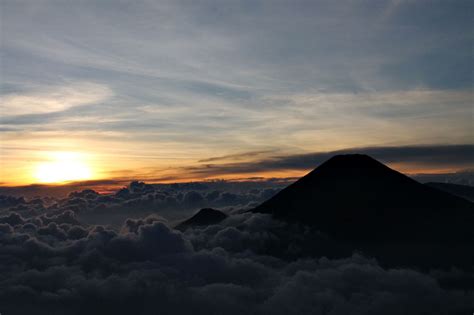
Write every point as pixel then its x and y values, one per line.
pixel 237 156
pixel 53 99
pixel 184 81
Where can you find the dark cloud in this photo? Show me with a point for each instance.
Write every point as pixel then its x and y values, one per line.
pixel 458 156
pixel 465 177
pixel 12 219
pixel 237 156
pixel 53 260
pixel 149 268
pixel 62 190
pixel 138 199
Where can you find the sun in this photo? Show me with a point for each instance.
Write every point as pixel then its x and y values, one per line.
pixel 63 167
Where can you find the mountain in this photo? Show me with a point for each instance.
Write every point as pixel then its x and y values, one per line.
pixel 463 191
pixel 206 216
pixel 358 199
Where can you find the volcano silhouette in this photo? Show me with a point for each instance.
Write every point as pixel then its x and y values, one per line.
pixel 206 216
pixel 354 197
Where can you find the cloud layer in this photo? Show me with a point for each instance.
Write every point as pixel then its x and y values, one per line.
pixel 149 268
pixel 54 261
pixel 417 157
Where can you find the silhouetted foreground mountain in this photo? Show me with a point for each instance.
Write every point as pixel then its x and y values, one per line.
pixel 463 191
pixel 205 216
pixel 354 197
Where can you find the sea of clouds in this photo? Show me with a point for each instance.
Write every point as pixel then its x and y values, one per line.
pixel 54 261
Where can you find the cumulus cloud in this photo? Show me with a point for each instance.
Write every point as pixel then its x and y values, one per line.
pixel 148 268
pixel 54 262
pixel 172 201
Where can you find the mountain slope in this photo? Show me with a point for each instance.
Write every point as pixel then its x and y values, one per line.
pixel 463 191
pixel 354 197
pixel 206 216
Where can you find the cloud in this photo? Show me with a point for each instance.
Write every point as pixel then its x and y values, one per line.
pixel 148 267
pixel 204 80
pixel 423 156
pixel 170 201
pixel 62 190
pixel 54 261
pixel 197 38
pixel 237 156
pixel 54 99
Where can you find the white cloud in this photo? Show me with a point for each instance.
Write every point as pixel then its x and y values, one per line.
pixel 54 99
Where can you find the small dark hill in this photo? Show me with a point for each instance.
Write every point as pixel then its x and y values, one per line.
pixel 206 216
pixel 463 191
pixel 356 198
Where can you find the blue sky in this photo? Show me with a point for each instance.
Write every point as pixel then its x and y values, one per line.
pixel 154 86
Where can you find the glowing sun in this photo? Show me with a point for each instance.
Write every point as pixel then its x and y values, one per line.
pixel 64 167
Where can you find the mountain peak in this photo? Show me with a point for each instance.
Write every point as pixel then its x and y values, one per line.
pixel 205 216
pixel 356 162
pixel 351 172
pixel 355 196
pixel 352 158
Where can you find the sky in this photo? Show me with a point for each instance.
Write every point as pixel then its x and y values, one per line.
pixel 186 90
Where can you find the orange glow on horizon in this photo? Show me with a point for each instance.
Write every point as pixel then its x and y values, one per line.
pixel 70 167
